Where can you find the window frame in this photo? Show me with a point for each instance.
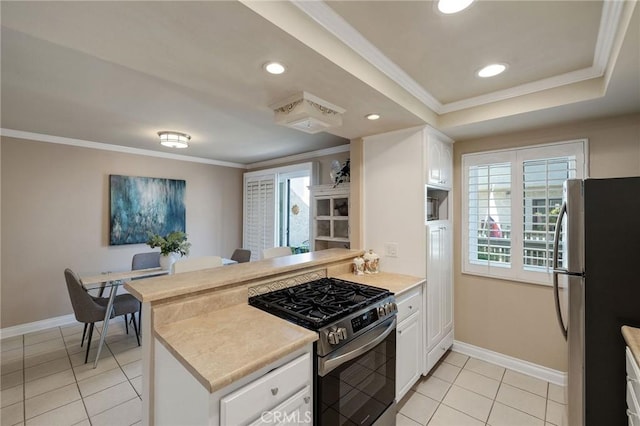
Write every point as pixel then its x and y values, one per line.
pixel 516 158
pixel 266 174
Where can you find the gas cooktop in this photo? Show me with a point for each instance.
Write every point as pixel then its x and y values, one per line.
pixel 318 303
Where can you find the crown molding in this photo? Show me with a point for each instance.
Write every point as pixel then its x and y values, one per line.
pixel 336 25
pixel 332 22
pixel 300 157
pixel 40 137
pixel 524 89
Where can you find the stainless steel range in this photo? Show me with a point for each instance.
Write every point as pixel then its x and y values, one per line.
pixel 356 348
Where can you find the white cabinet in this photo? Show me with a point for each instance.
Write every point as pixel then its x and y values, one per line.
pixel 409 340
pixel 330 214
pixel 279 393
pixel 633 389
pixel 258 400
pixel 439 162
pixel 439 294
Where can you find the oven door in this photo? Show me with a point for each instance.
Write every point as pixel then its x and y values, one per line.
pixel 356 383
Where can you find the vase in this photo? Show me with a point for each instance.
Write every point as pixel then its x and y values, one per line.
pixel 166 260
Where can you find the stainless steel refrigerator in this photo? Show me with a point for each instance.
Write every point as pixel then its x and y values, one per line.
pixel 597 257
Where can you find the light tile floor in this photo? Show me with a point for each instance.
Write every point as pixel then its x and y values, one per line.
pixel 464 391
pixel 45 380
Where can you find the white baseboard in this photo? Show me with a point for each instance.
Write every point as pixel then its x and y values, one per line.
pixel 544 373
pixel 30 327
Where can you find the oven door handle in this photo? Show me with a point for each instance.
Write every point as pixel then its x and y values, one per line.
pixel 356 347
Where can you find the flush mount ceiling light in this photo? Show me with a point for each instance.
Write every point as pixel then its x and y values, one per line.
pixel 453 6
pixel 372 116
pixel 174 139
pixel 274 68
pixel 308 113
pixel 492 70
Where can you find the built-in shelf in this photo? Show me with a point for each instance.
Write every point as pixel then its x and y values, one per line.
pixel 330 216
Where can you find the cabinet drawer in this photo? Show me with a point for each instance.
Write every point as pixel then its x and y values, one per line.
pixel 409 304
pixel 295 411
pixel 633 373
pixel 249 402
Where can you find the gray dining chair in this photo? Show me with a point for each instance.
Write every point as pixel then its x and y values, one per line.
pixel 145 260
pixel 241 255
pixel 89 310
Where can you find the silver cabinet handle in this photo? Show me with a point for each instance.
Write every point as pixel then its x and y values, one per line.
pixel 274 391
pixel 631 380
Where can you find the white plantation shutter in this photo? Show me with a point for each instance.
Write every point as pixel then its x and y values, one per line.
pixel 542 199
pixel 259 214
pixel 511 203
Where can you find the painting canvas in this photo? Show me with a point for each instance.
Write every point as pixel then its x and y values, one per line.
pixel 143 205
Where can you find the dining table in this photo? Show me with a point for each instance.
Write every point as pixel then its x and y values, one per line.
pixel 113 280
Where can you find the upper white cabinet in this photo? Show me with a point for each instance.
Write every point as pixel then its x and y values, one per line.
pixel 439 161
pixel 330 214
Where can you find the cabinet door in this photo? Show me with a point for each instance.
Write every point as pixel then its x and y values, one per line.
pixel 408 359
pixel 435 326
pixel 446 277
pixel 446 164
pixel 434 172
pixel 439 163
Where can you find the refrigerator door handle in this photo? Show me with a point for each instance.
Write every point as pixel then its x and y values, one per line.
pixel 557 270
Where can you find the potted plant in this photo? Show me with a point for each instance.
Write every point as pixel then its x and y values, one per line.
pixel 171 245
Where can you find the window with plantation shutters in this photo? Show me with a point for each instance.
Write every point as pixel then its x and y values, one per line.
pixel 510 206
pixel 264 211
pixel 259 214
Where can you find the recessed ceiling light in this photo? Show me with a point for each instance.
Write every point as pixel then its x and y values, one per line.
pixel 453 6
pixel 492 70
pixel 174 139
pixel 274 68
pixel 373 116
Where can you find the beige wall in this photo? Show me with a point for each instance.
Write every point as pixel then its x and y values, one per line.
pixel 323 163
pixel 519 319
pixel 55 214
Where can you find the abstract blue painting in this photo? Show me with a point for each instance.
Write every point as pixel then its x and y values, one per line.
pixel 143 205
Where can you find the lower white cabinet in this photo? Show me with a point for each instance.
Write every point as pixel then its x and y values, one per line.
pixel 633 390
pixel 279 393
pixel 270 399
pixel 409 340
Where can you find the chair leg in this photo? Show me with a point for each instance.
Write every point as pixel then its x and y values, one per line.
pixel 86 357
pixel 83 334
pixel 135 327
pixel 126 323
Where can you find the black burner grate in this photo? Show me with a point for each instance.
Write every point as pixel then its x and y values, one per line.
pixel 317 303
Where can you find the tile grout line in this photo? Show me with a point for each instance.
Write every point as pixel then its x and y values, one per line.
pixel 76 380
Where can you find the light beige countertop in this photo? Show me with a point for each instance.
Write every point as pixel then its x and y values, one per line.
pixel 396 283
pixel 153 289
pixel 632 337
pixel 223 346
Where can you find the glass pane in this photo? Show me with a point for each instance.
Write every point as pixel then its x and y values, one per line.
pixel 298 214
pixel 323 207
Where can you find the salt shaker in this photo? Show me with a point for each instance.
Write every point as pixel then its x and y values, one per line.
pixel 358 266
pixel 371 263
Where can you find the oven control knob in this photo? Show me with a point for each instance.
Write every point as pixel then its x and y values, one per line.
pixel 333 337
pixel 387 308
pixel 394 307
pixel 381 311
pixel 342 333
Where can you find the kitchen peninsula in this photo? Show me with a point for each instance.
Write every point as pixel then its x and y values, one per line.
pixel 219 355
